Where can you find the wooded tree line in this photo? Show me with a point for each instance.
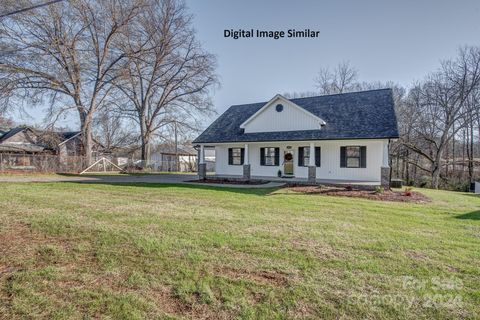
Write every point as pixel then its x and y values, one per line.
pixel 108 61
pixel 438 119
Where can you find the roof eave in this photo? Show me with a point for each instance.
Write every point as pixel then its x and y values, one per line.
pixel 304 139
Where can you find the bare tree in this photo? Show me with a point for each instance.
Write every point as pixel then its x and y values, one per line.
pixel 5 122
pixel 343 78
pixel 170 82
pixel 302 94
pixel 440 102
pixel 65 54
pixel 112 130
pixel 469 120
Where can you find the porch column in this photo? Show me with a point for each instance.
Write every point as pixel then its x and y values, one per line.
pixel 202 154
pixel 385 169
pixel 312 169
pixel 246 163
pixel 202 166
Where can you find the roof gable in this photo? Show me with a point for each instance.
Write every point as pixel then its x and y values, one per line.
pixel 355 115
pixel 289 116
pixel 19 134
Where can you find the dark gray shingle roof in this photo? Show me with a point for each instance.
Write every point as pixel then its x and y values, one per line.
pixel 65 135
pixel 62 135
pixel 356 115
pixel 10 133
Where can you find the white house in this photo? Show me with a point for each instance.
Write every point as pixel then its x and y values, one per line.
pixel 332 138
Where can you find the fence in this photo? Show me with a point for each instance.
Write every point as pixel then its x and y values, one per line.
pixel 47 163
pixel 40 163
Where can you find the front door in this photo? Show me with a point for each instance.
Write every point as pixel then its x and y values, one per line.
pixel 288 163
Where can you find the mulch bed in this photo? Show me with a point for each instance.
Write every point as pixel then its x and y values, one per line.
pixel 229 181
pixel 387 195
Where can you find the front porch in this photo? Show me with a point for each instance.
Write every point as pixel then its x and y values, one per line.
pixel 312 162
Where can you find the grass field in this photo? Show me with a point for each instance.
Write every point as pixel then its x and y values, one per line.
pixel 173 251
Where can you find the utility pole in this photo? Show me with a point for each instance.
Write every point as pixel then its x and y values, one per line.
pixel 176 146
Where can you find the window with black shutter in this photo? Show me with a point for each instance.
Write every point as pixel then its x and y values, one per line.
pixel 301 162
pixel 353 157
pixel 363 157
pixel 235 156
pixel 318 155
pixel 269 156
pixel 304 156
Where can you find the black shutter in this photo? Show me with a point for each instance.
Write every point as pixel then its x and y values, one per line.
pixel 317 156
pixel 262 156
pixel 343 157
pixel 242 156
pixel 230 156
pixel 363 157
pixel 300 157
pixel 277 156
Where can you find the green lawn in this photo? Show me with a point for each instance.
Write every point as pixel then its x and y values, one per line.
pixel 164 251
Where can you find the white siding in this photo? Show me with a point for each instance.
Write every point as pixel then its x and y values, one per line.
pixel 221 161
pixel 330 160
pixel 290 119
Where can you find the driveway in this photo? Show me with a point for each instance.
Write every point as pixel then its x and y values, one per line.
pixel 125 178
pixel 121 178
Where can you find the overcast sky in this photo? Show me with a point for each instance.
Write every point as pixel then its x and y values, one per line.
pixel 386 40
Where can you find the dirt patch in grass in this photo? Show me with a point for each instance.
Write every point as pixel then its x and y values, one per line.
pixel 19 242
pixel 264 277
pixel 321 250
pixel 168 303
pixel 387 195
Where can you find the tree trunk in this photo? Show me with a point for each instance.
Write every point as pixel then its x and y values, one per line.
pixel 145 139
pixel 470 154
pixel 146 149
pixel 437 165
pixel 87 139
pixel 435 176
pixel 407 168
pixel 463 153
pixel 453 149
pixel 417 157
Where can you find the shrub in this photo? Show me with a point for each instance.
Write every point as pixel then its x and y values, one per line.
pixel 379 189
pixel 456 184
pixel 348 188
pixel 408 192
pixel 423 181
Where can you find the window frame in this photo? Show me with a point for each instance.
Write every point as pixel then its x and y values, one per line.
pixel 239 157
pixel 348 157
pixel 271 156
pixel 306 160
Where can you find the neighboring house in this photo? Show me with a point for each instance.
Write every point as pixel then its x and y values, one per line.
pixel 163 159
pixel 22 140
pixel 341 137
pixel 28 148
pixel 32 141
pixel 70 143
